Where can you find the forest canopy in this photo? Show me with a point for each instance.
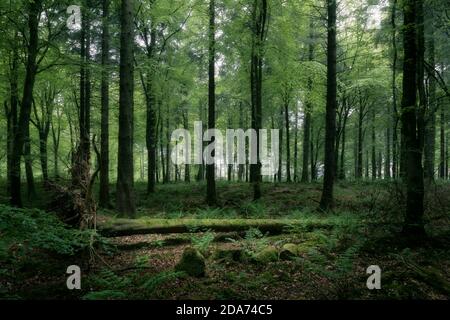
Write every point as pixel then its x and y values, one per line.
pixel 94 91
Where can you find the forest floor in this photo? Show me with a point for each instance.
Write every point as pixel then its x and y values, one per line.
pixel 334 250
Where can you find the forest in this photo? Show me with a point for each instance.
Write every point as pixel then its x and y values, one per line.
pixel 116 182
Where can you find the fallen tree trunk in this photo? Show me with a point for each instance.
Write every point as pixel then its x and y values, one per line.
pixel 124 227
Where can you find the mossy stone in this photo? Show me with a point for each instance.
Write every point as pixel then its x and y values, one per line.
pixel 192 262
pixel 289 251
pixel 268 254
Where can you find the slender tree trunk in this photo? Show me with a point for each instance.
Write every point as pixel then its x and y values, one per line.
pixel 34 9
pixel 31 188
pixel 280 148
pixel 367 165
pixel 296 146
pixel 259 27
pixel 359 171
pixel 43 138
pixel 151 115
pixel 211 197
pixel 430 127
pixel 306 144
pixel 11 113
pixel 413 225
pixel 56 135
pixel 167 179
pixel 104 200
pixel 308 110
pixel 380 164
pixel 442 143
pixel 326 202
pixel 341 175
pixel 288 143
pixel 187 170
pixel 125 170
pixel 374 152
pixel 241 167
pixel 395 117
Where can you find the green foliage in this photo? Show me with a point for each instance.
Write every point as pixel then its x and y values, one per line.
pixel 202 242
pixel 154 282
pixel 253 209
pixel 108 285
pixel 254 242
pixel 24 230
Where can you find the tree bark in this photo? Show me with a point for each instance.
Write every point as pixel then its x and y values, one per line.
pixel 20 136
pixel 104 200
pixel 288 143
pixel 259 28
pixel 413 224
pixel 430 127
pixel 374 152
pixel 327 201
pixel 125 170
pixel 395 117
pixel 211 197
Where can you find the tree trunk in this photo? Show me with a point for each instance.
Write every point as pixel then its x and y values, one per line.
pixel 259 27
pixel 288 143
pixel 326 202
pixel 359 171
pixel 43 138
pixel 125 170
pixel 211 197
pixel 280 147
pixel 34 9
pixel 11 112
pixel 31 189
pixel 395 117
pixel 413 225
pixel 308 110
pixel 296 146
pixel 104 200
pixel 442 143
pixel 430 127
pixel 56 134
pixel 374 152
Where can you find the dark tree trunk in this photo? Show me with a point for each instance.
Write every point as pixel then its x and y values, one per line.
pixel 308 110
pixel 125 170
pixel 187 170
pixel 367 165
pixel 306 144
pixel 296 146
pixel 395 117
pixel 167 158
pixel 43 138
pixel 326 202
pixel 259 28
pixel 56 135
pixel 20 136
pixel 430 127
pixel 11 112
pixel 211 197
pixel 413 225
pixel 104 200
pixel 280 147
pixel 151 113
pixel 374 152
pixel 341 175
pixel 241 167
pixel 85 90
pixel 288 143
pixel 31 189
pixel 442 154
